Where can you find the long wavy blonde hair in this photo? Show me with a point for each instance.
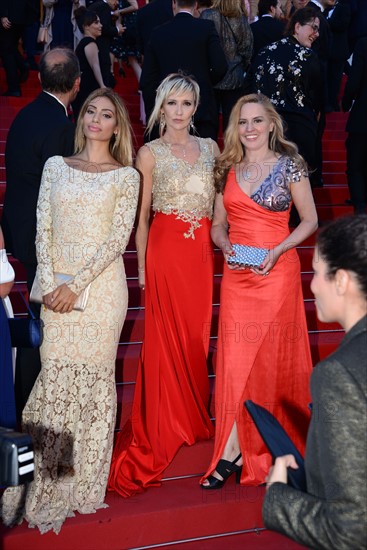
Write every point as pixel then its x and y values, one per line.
pixel 230 8
pixel 121 145
pixel 234 152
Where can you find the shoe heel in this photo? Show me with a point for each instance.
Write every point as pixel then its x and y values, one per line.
pixel 238 476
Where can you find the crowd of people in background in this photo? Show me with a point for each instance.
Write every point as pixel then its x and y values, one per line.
pixel 264 74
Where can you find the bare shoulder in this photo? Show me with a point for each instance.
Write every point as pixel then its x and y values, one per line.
pixel 145 158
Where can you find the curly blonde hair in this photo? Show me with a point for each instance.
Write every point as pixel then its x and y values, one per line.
pixel 121 145
pixel 234 152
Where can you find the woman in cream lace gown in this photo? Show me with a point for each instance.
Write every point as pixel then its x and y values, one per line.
pixel 86 210
pixel 170 405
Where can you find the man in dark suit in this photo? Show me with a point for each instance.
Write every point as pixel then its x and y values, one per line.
pixel 191 45
pixel 269 27
pixel 40 130
pixel 14 16
pixel 110 29
pixel 150 16
pixel 356 89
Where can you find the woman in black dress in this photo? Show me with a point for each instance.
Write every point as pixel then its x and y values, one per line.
pixel 87 53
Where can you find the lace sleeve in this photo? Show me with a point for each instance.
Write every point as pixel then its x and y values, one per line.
pixel 44 232
pixel 121 227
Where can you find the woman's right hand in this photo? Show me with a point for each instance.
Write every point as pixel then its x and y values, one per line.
pixel 5 289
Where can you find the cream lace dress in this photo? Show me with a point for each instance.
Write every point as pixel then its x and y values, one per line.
pixel 84 221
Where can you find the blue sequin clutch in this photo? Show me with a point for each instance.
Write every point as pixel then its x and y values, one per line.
pixel 247 256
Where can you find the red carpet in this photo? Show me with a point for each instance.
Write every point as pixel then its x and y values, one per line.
pixel 179 513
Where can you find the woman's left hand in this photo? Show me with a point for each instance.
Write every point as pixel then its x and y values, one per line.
pixel 278 472
pixel 63 299
pixel 269 262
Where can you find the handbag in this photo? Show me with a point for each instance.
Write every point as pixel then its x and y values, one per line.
pixel 42 36
pixel 26 333
pixel 60 279
pixel 247 256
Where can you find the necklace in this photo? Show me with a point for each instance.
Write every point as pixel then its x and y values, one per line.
pixel 180 146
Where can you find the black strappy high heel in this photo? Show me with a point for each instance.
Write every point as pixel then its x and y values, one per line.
pixel 225 468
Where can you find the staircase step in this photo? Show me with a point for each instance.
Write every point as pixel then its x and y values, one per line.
pixel 331 194
pixel 149 519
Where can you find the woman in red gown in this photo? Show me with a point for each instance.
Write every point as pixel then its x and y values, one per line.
pixel 175 261
pixel 263 348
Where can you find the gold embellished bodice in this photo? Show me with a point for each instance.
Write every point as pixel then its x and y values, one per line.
pixel 183 189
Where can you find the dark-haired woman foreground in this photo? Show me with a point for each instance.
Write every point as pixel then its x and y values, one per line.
pixel 333 512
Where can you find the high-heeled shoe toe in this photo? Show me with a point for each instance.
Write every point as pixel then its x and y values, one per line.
pixel 225 468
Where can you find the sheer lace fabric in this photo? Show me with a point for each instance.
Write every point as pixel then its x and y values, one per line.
pixel 181 188
pixel 84 224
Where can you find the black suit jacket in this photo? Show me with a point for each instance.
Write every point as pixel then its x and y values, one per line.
pixel 39 131
pixel 20 12
pixel 150 16
pixel 265 31
pixel 356 88
pixel 339 22
pixel 109 31
pixel 191 45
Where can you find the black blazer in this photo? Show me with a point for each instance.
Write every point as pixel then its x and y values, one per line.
pixel 39 131
pixel 356 88
pixel 191 45
pixel 150 16
pixel 339 22
pixel 265 31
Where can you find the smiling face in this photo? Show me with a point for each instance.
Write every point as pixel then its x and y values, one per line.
pixel 254 126
pixel 99 121
pixel 307 34
pixel 178 110
pixel 94 29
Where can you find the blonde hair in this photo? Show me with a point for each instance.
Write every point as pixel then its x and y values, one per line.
pixel 234 152
pixel 230 8
pixel 173 84
pixel 121 145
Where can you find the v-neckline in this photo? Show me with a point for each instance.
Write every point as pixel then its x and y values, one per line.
pixel 261 184
pixel 169 145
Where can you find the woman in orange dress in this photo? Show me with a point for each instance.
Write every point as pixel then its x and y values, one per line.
pixel 175 261
pixel 263 348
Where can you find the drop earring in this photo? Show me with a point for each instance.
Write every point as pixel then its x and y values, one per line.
pixel 162 124
pixel 192 125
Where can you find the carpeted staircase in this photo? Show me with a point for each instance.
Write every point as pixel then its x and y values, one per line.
pixel 179 514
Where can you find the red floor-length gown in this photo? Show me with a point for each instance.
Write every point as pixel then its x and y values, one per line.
pixel 172 388
pixel 263 347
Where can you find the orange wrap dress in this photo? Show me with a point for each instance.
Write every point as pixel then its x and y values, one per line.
pixel 263 349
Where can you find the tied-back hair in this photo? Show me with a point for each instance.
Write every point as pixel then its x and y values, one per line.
pixel 174 84
pixel 234 152
pixel 230 8
pixel 84 18
pixel 301 16
pixel 121 146
pixel 342 244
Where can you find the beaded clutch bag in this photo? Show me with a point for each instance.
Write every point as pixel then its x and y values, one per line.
pixel 247 256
